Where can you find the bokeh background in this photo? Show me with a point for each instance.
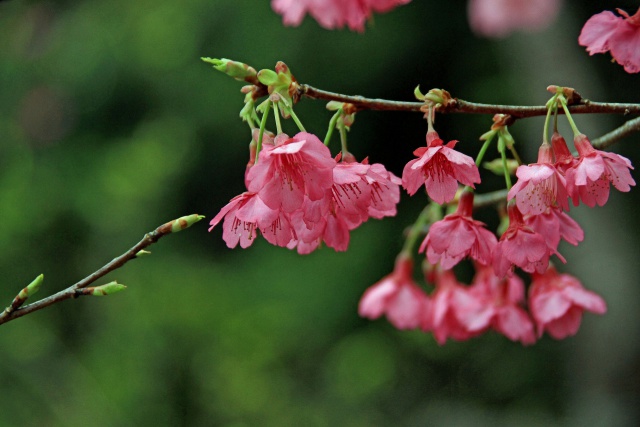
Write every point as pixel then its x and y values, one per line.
pixel 111 125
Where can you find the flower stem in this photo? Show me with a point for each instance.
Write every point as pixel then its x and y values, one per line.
pixel 276 115
pixel 343 139
pixel 563 102
pixel 483 150
pixel 417 229
pixel 332 126
pixel 545 131
pixel 507 177
pixel 295 119
pixel 263 124
pixel 515 155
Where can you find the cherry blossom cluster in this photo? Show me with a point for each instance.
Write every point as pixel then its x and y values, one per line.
pixel 299 196
pixel 537 221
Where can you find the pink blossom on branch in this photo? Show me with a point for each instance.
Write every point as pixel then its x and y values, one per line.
pixel 439 168
pixel 619 35
pixel 457 236
pixel 498 18
pixel 588 178
pixel 332 14
pixel 557 302
pixel 397 296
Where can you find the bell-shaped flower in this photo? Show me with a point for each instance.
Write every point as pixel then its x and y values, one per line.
pixel 458 236
pixel 557 301
pixel 439 168
pixel 589 178
pixel 620 35
pixel 397 296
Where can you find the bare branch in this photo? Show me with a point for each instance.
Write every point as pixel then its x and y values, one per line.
pixel 615 135
pixel 76 291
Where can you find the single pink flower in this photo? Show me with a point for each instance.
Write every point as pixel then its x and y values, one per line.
pixel 332 14
pixel 520 246
pixel 450 305
pixel 385 191
pixel 562 154
pixel 397 296
pixel 439 167
pixel 498 306
pixel 291 169
pixel 620 35
pixel 554 224
pixel 539 185
pixel 457 236
pixel 498 18
pixel 588 179
pixel 557 301
pixel 247 213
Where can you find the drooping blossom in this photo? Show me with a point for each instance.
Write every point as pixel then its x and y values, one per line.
pixel 291 169
pixel 557 301
pixel 385 191
pixel 619 35
pixel 539 185
pixel 562 154
pixel 498 306
pixel 397 296
pixel 520 246
pixel 589 178
pixel 439 168
pixel 554 224
pixel 498 18
pixel 449 304
pixel 332 14
pixel 457 236
pixel 244 215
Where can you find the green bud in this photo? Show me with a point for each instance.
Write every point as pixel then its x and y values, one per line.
pixel 237 70
pixel 508 139
pixel 185 222
pixel 142 253
pixel 31 288
pixel 488 135
pixel 108 289
pixel 334 105
pixel 268 77
pixel 497 167
pixel 416 92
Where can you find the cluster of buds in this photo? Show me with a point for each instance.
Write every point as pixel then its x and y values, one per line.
pixel 300 197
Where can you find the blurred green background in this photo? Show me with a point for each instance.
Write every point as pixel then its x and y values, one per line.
pixel 111 125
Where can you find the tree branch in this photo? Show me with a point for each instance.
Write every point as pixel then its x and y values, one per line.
pixel 612 137
pixel 14 310
pixel 461 106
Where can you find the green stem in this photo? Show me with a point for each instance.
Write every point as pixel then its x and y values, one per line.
pixel 295 119
pixel 332 126
pixel 251 123
pixel 263 124
pixel 276 115
pixel 515 154
pixel 563 101
pixel 483 150
pixel 343 139
pixel 545 130
pixel 416 230
pixel 507 177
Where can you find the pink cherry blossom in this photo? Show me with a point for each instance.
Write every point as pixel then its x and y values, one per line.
pixel 385 191
pixel 397 296
pixel 557 301
pixel 332 14
pixel 498 305
pixel 620 35
pixel 554 224
pixel 457 236
pixel 291 169
pixel 589 178
pixel 520 246
pixel 498 18
pixel 439 167
pixel 247 213
pixel 539 185
pixel 450 305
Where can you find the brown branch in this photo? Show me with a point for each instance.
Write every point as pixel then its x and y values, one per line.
pixel 612 137
pixel 74 291
pixel 461 106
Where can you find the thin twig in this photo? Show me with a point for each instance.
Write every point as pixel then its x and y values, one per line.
pixel 73 291
pixel 612 137
pixel 461 106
